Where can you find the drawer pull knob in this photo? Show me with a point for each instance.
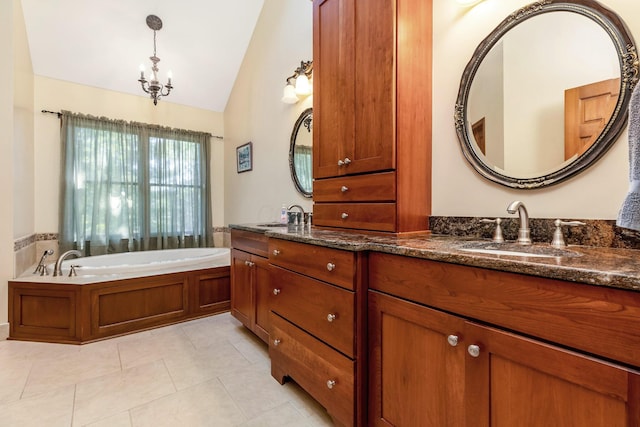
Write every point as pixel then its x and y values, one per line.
pixel 276 252
pixel 347 160
pixel 344 189
pixel 452 340
pixel 331 317
pixel 249 263
pixel 276 342
pixel 276 291
pixel 340 162
pixel 474 350
pixel 331 384
pixel 344 215
pixel 331 266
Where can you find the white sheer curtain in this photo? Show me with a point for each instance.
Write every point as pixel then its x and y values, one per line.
pixel 304 166
pixel 129 186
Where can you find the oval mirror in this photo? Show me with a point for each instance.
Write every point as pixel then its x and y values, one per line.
pixel 546 93
pixel 300 149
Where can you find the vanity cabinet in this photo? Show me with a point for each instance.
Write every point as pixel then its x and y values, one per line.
pixel 317 325
pixel 464 346
pixel 372 114
pixel 250 281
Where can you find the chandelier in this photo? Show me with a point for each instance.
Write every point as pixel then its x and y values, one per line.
pixel 153 87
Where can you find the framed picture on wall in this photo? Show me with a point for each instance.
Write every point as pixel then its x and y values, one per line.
pixel 244 157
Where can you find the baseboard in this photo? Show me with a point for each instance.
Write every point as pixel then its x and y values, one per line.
pixel 4 331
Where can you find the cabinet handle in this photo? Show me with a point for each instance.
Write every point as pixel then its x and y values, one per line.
pixel 474 350
pixel 344 215
pixel 347 160
pixel 249 263
pixel 452 340
pixel 331 317
pixel 276 291
pixel 340 162
pixel 276 342
pixel 276 252
pixel 330 266
pixel 331 384
pixel 344 189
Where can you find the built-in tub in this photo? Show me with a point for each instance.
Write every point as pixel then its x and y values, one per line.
pixel 119 294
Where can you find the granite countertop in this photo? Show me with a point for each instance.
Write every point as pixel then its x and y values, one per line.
pixel 601 266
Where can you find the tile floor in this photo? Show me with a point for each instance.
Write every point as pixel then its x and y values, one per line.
pixel 206 372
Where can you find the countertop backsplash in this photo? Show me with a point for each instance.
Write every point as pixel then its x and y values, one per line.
pixel 595 232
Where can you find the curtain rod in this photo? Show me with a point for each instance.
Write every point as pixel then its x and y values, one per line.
pixel 59 114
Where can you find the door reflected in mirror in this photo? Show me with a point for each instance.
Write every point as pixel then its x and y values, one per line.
pixel 300 153
pixel 545 94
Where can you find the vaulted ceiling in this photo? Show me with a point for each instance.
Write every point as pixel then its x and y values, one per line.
pixel 103 43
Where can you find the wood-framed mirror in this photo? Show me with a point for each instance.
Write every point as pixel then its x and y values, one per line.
pixel 300 153
pixel 546 94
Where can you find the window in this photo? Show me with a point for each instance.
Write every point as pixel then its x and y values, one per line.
pixel 129 186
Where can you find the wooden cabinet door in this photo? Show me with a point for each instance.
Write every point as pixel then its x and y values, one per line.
pixel 242 299
pixel 262 290
pixel 354 107
pixel 416 377
pixel 334 80
pixel 519 381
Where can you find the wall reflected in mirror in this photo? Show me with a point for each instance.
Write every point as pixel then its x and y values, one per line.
pixel 300 153
pixel 545 94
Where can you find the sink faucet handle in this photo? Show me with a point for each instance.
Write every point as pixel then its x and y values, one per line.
pixel 558 236
pixel 497 233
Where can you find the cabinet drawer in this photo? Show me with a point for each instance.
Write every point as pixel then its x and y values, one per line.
pixel 594 319
pixel 376 187
pixel 323 310
pixel 324 373
pixel 255 243
pixel 331 265
pixel 363 216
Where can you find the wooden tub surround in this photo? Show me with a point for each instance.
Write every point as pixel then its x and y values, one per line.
pixel 85 312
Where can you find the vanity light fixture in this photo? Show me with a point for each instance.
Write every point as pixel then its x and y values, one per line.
pixel 153 87
pixel 299 83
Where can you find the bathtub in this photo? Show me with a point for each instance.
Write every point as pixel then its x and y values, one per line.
pixel 119 294
pixel 145 262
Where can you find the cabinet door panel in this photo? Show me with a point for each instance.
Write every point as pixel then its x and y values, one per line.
pixel 417 377
pixel 373 148
pixel 333 81
pixel 262 291
pixel 519 381
pixel 241 287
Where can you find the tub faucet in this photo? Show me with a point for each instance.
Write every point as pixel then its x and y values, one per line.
pixel 42 268
pixel 57 271
pixel 524 232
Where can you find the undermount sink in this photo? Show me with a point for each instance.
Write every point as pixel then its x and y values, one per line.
pixel 514 249
pixel 272 224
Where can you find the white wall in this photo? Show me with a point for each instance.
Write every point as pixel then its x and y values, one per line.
pixel 282 38
pixel 457 189
pixel 56 95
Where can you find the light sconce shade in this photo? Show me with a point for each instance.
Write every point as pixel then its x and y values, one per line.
pixel 289 96
pixel 302 85
pixel 298 84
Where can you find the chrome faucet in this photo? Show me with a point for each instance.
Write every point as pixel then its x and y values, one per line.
pixel 524 232
pixel 300 218
pixel 42 268
pixel 57 271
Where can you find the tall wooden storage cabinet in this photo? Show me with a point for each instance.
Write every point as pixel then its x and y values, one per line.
pixel 372 114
